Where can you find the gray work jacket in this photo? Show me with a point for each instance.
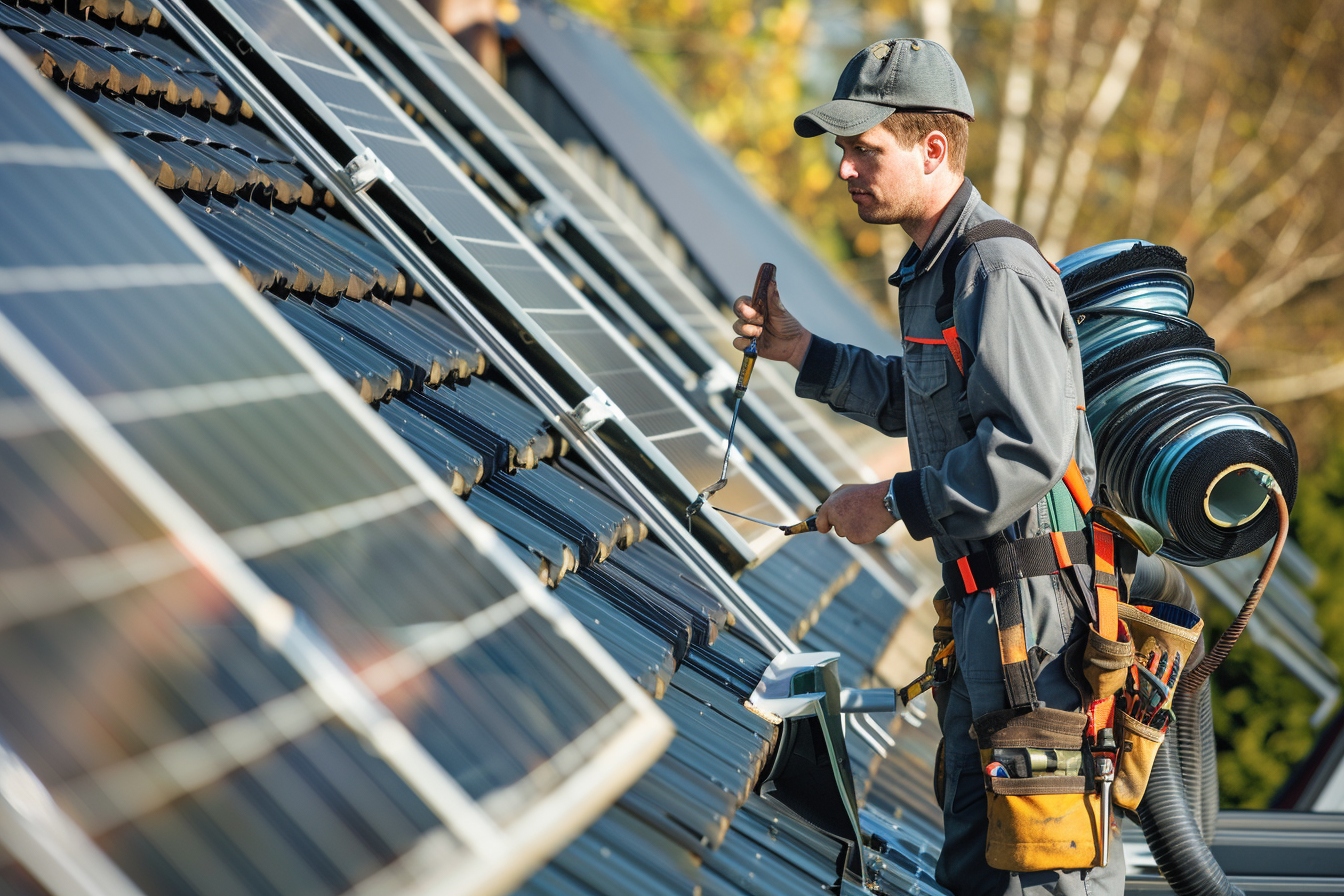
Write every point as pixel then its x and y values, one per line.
pixel 1022 391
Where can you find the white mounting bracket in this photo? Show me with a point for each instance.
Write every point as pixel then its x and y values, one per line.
pixel 590 412
pixel 544 215
pixel 365 170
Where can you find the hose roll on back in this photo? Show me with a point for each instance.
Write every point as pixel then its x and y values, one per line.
pixel 1176 445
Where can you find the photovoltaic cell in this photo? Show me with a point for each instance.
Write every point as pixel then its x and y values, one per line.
pixel 481 235
pixel 210 735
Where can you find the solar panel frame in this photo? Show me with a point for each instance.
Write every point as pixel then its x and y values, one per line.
pixel 714 553
pixel 468 247
pixel 564 810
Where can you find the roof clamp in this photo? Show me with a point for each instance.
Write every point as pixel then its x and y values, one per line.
pixel 366 169
pixel 594 409
pixel 541 217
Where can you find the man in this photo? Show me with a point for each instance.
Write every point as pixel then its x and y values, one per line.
pixel 986 446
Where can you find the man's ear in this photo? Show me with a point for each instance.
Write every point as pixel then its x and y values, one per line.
pixel 935 151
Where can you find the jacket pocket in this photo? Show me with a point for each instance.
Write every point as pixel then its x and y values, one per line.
pixel 929 404
pixel 926 371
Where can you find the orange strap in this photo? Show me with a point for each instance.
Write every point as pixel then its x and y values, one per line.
pixel 1101 713
pixel 1061 550
pixel 1108 595
pixel 954 346
pixel 924 341
pixel 1073 481
pixel 967 580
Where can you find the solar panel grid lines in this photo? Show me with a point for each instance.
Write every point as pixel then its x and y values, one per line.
pixel 527 273
pixel 81 689
pixel 273 614
pixel 273 617
pixel 537 215
pixel 403 92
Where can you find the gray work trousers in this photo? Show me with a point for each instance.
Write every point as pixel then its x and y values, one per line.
pixel 977 687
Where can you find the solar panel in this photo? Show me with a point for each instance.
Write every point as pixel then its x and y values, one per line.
pixel 227 645
pixel 421 57
pixel 287 42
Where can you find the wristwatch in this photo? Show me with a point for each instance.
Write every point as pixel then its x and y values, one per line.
pixel 889 500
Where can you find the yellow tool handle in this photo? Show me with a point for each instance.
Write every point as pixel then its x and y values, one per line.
pixel 744 375
pixel 807 525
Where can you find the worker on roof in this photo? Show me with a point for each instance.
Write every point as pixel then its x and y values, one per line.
pixel 993 415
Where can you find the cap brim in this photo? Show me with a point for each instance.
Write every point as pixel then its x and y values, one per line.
pixel 843 118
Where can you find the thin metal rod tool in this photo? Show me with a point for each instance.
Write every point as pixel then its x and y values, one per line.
pixel 760 302
pixel 798 528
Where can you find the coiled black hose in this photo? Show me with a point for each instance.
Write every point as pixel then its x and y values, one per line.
pixel 1176 446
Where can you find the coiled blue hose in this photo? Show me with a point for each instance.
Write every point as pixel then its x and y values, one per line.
pixel 1176 445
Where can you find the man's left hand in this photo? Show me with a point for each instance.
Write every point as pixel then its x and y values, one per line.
pixel 856 512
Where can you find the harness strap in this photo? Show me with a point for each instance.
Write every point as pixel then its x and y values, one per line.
pixel 943 311
pixel 1009 561
pixel 1018 675
pixel 1106 584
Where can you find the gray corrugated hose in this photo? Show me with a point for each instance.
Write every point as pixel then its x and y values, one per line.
pixel 1180 806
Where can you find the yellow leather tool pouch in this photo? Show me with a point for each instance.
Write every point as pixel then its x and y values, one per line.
pixel 1050 818
pixel 1149 629
pixel 1138 748
pixel 1042 824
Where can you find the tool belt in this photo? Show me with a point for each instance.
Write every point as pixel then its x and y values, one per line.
pixel 1052 776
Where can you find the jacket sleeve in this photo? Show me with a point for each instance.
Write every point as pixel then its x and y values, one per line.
pixel 1022 399
pixel 855 382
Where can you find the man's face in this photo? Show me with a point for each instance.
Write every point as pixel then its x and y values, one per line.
pixel 885 180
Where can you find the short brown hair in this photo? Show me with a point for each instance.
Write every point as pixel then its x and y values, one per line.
pixel 912 127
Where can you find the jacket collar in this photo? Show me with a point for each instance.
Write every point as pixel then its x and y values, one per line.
pixel 918 261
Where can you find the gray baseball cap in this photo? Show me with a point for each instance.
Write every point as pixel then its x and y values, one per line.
pixel 907 74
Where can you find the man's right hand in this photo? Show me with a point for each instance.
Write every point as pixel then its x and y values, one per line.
pixel 783 339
